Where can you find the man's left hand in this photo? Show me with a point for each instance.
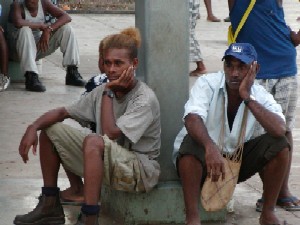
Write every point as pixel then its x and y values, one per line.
pixel 247 82
pixel 43 43
pixel 124 81
pixel 295 37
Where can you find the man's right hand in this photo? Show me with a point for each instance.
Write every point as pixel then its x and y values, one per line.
pixel 214 163
pixel 43 43
pixel 125 81
pixel 29 139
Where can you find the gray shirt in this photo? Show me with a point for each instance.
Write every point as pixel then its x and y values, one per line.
pixel 138 116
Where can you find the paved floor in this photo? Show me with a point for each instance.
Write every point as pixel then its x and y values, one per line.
pixel 20 183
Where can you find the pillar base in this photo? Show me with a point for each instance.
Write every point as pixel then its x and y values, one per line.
pixel 14 72
pixel 163 205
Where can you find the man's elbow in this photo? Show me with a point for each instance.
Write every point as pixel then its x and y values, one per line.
pixel 68 18
pixel 280 131
pixel 18 24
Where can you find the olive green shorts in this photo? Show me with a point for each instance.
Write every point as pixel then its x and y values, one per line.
pixel 121 166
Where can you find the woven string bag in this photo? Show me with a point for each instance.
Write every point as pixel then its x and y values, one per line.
pixel 216 195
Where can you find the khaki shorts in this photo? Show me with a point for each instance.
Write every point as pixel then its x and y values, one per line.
pixel 121 166
pixel 285 93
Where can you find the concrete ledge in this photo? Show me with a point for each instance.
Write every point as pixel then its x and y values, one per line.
pixel 15 72
pixel 163 205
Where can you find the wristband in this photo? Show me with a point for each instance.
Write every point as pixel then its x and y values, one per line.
pixel 247 100
pixel 50 28
pixel 109 93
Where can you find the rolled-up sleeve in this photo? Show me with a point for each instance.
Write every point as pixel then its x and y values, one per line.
pixel 199 100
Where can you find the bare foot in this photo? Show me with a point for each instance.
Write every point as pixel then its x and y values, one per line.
pixel 213 19
pixel 72 196
pixel 268 217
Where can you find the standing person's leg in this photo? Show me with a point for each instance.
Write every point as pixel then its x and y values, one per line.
pixel 210 16
pixel 4 78
pixel 49 208
pixel 195 52
pixel 285 93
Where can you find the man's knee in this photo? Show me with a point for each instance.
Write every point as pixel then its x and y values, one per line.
pixel 93 143
pixel 67 29
pixel 284 154
pixel 188 163
pixel 24 32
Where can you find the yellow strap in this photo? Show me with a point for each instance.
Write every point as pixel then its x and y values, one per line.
pixel 244 18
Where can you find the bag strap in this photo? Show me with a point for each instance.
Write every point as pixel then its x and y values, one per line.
pixel 243 20
pixel 235 156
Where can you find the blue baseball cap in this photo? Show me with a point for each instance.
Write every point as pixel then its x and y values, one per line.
pixel 242 51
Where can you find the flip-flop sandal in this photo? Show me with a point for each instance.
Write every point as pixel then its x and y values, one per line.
pixel 259 205
pixel 289 203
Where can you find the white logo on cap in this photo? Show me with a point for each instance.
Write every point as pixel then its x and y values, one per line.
pixel 237 49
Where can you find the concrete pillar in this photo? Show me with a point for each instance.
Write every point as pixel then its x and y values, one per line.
pixel 164 66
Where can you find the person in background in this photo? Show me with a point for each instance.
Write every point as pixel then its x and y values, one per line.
pixel 32 39
pixel 4 78
pixel 210 16
pixel 195 52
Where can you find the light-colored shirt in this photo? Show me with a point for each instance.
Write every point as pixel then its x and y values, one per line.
pixel 206 100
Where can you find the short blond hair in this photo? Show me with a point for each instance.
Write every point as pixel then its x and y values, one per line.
pixel 129 38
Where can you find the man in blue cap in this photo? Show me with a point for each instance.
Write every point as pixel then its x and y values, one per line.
pixel 227 110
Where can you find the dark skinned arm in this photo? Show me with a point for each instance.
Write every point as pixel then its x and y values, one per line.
pixel 108 121
pixel 62 18
pixel 19 18
pixel 214 161
pixel 270 121
pixel 230 4
pixel 30 138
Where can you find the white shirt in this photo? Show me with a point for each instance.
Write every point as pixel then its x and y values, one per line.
pixel 206 98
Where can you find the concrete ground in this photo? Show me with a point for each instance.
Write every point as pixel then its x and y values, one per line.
pixel 20 183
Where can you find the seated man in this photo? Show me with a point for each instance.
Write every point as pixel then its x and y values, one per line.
pixel 123 152
pixel 213 117
pixel 34 39
pixel 4 78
